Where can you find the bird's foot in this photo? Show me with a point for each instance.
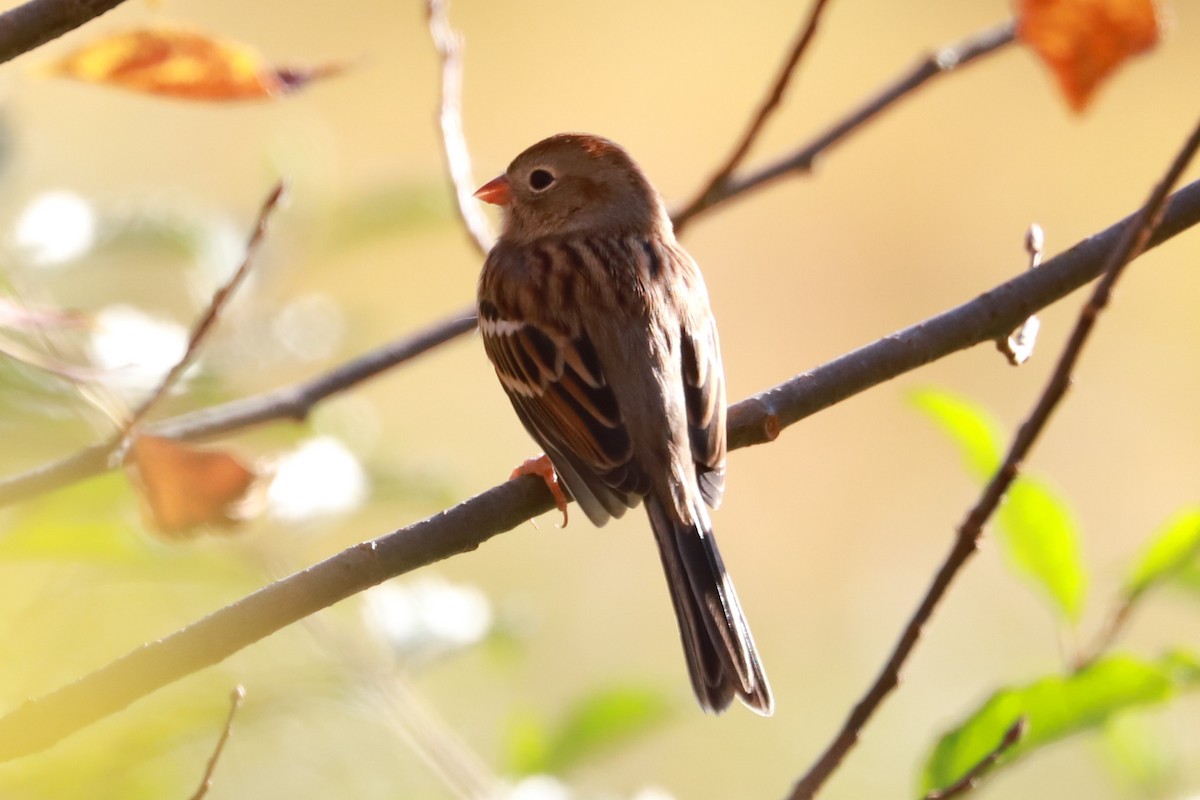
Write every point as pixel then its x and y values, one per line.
pixel 542 468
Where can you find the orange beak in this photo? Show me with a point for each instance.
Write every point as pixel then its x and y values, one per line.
pixel 496 191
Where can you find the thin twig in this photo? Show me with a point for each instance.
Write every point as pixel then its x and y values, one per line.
pixel 1116 621
pixel 970 780
pixel 1134 239
pixel 938 63
pixel 235 701
pixel 205 323
pixel 774 97
pixel 454 142
pixel 39 723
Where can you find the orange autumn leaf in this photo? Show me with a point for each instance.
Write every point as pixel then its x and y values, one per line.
pixel 1084 41
pixel 183 487
pixel 185 64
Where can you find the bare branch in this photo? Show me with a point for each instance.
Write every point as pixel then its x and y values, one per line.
pixel 235 701
pixel 454 142
pixel 774 97
pixel 39 21
pixel 939 63
pixel 969 781
pixel 39 723
pixel 1133 239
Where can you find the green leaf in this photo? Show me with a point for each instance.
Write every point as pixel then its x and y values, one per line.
pixel 1056 707
pixel 1187 577
pixel 1183 666
pixel 1039 536
pixel 527 742
pixel 1041 541
pixel 967 425
pixel 604 719
pixel 598 722
pixel 1174 546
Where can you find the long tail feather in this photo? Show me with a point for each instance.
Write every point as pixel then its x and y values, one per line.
pixel 721 657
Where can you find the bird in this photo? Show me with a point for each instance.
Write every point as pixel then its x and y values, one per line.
pixel 599 327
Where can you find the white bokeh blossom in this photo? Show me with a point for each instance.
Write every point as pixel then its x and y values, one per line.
pixel 321 477
pixel 652 793
pixel 56 227
pixel 311 327
pixel 134 349
pixel 540 787
pixel 427 617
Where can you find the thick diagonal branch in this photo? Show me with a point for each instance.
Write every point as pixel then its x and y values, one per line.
pixel 34 23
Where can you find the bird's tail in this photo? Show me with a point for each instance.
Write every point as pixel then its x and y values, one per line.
pixel 721 657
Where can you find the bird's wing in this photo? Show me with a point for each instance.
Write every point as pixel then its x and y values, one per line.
pixel 704 392
pixel 559 391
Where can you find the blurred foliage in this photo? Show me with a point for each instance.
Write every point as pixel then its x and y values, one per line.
pixel 1042 543
pixel 386 211
pixel 1135 750
pixel 1057 706
pixel 1171 550
pixel 1040 537
pixel 96 522
pixel 80 772
pixel 598 722
pixel 88 521
pixel 156 229
pixel 30 395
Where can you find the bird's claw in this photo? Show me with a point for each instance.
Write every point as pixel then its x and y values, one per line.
pixel 542 468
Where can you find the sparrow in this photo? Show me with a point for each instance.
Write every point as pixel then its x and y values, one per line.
pixel 598 324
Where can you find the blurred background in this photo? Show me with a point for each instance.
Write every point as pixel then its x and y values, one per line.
pixel 133 209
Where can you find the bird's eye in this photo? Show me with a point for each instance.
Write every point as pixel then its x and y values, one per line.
pixel 540 180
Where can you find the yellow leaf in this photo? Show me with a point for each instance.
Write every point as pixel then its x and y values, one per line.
pixel 1084 41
